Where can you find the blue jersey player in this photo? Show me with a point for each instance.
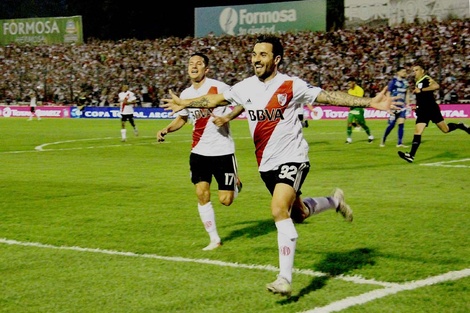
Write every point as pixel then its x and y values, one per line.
pixel 398 86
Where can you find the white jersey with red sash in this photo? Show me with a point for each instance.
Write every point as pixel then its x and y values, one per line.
pixel 271 110
pixel 124 97
pixel 208 139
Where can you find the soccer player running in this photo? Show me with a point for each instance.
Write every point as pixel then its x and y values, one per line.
pixel 356 114
pixel 270 100
pixel 33 103
pixel 127 100
pixel 399 87
pixel 427 109
pixel 213 148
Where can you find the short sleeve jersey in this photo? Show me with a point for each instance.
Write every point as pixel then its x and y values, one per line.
pixel 127 96
pixel 425 100
pixel 356 91
pixel 208 139
pixel 271 111
pixel 397 88
pixel 33 102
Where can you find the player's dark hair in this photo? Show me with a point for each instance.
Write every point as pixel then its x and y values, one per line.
pixel 278 49
pixel 420 64
pixel 203 56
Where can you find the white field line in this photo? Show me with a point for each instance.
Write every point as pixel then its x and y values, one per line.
pixel 389 288
pixel 380 293
pixel 49 147
pixel 354 279
pixel 447 163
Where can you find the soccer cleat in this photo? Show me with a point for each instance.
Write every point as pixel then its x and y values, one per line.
pixel 280 286
pixel 136 132
pixel 123 140
pixel 212 246
pixel 348 140
pixel 401 146
pixel 370 139
pixel 406 156
pixel 464 127
pixel 343 207
pixel 382 144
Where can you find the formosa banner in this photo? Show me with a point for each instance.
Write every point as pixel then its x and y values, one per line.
pixel 45 30
pixel 268 18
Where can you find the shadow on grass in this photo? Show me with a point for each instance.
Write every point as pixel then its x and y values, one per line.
pixel 252 230
pixel 335 264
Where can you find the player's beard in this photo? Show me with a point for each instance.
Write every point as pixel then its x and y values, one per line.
pixel 264 72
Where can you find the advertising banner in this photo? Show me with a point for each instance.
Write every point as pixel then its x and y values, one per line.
pixel 268 18
pixel 335 113
pixel 113 112
pixel 318 112
pixel 41 111
pixel 44 30
pixel 396 12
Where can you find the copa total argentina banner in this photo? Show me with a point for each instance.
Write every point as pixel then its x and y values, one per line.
pixel 268 18
pixel 44 30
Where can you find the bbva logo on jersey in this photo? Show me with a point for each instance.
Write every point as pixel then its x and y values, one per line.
pixel 263 115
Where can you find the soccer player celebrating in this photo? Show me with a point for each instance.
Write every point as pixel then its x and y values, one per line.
pixel 270 100
pixel 213 148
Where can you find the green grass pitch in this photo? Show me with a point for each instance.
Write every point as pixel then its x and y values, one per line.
pixel 91 224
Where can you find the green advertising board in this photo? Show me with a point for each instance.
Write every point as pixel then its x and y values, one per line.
pixel 45 30
pixel 272 18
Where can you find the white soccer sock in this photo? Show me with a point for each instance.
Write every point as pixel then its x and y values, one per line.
pixel 123 133
pixel 286 241
pixel 207 215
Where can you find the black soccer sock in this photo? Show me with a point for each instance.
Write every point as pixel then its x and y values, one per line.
pixel 462 126
pixel 452 127
pixel 415 144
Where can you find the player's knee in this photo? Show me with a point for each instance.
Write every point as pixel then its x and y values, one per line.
pixel 226 198
pixel 279 213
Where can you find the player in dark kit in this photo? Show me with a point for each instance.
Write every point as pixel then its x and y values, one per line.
pixel 427 110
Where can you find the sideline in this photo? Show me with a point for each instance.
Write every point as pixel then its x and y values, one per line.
pixel 389 288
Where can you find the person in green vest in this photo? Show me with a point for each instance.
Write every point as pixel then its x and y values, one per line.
pixel 356 115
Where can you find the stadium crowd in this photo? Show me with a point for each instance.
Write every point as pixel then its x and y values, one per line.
pixel 93 73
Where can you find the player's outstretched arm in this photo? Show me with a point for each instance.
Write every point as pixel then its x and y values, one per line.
pixel 176 104
pixel 338 98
